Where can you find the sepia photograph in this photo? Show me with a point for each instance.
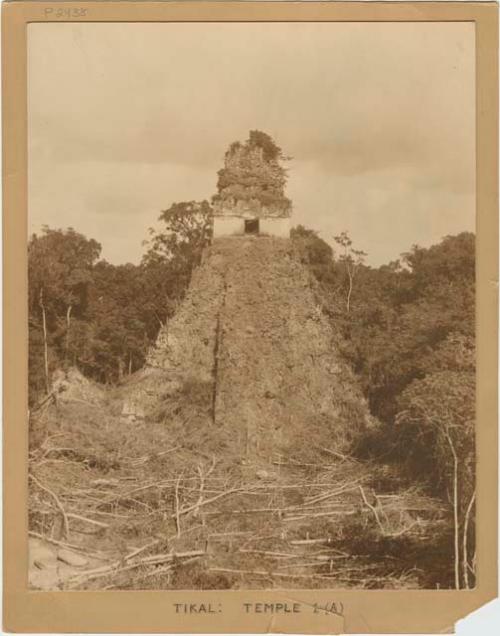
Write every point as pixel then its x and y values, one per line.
pixel 251 307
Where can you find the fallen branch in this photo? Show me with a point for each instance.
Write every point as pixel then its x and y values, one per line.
pixel 71 546
pixel 184 511
pixel 58 503
pixel 46 399
pixel 400 533
pixel 343 489
pixel 280 555
pixel 229 534
pixel 75 582
pixel 293 463
pixel 287 555
pixel 117 567
pixel 302 564
pixel 139 550
pixel 373 509
pixel 155 572
pixel 100 524
pixel 172 555
pixel 330 513
pixel 139 461
pixel 337 454
pixel 310 541
pixel 270 574
pixel 248 511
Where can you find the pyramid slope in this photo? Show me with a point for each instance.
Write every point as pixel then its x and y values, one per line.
pixel 251 330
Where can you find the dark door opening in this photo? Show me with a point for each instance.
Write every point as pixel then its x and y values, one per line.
pixel 251 226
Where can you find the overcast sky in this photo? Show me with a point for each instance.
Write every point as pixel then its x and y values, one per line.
pixel 125 119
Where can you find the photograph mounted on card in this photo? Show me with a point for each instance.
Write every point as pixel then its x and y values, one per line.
pixel 249 246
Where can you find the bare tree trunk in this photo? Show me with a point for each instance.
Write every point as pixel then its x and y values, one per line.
pixel 120 369
pixel 455 512
pixel 130 364
pixel 177 507
pixel 68 326
pixel 45 347
pixel 465 557
pixel 158 319
pixel 350 290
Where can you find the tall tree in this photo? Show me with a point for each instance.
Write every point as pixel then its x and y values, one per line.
pixel 351 259
pixel 174 250
pixel 60 272
pixel 436 428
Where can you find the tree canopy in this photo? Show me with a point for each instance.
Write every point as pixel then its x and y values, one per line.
pixel 103 318
pixel 272 151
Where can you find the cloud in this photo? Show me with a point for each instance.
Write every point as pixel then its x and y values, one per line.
pixel 376 115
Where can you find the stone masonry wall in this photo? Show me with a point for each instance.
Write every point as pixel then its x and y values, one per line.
pixel 250 326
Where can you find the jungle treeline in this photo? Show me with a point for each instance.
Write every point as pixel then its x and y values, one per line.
pixel 406 328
